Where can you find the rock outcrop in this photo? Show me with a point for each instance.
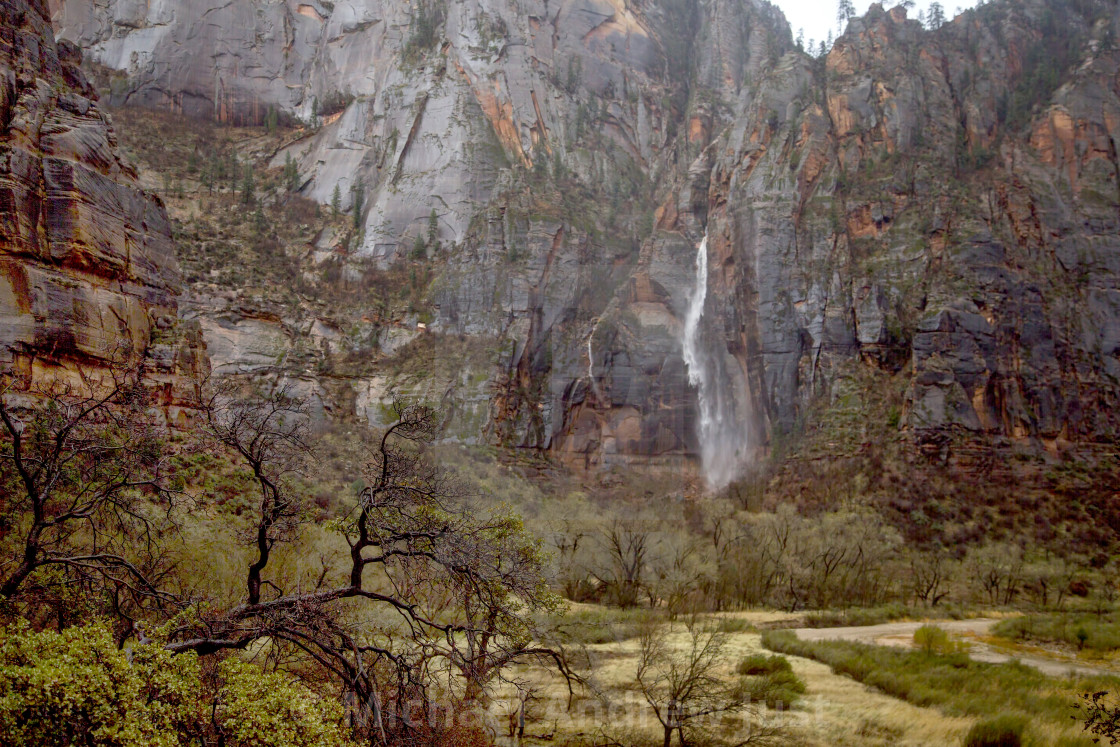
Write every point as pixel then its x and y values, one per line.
pixel 88 277
pixel 933 210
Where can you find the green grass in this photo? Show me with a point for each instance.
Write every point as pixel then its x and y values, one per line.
pixel 1002 731
pixel 1099 633
pixel 735 625
pixel 771 680
pixel 957 685
pixel 593 625
pixel 858 616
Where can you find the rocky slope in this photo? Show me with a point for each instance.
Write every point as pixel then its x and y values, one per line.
pixel 911 239
pixel 88 276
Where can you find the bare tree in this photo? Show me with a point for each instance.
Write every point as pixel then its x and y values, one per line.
pixel 680 569
pixel 439 581
pixel 997 569
pixel 930 575
pixel 269 434
pixel 627 544
pixel 570 537
pixel 684 688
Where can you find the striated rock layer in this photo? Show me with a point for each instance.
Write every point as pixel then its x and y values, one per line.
pixel 915 234
pixel 88 276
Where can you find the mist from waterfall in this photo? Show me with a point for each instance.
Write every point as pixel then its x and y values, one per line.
pixel 722 434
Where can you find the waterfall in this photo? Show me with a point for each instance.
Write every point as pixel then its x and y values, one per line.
pixel 591 359
pixel 722 433
pixel 691 342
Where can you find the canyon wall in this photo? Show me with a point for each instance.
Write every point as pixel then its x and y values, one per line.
pixel 914 233
pixel 88 277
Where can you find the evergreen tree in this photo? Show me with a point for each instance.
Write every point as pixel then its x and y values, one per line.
pixel 291 173
pixel 845 12
pixel 433 231
pixel 936 16
pixel 336 200
pixel 248 186
pixel 359 190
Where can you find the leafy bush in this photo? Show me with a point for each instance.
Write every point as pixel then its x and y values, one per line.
pixel 1102 717
pixel 934 640
pixel 1003 731
pixel 777 688
pixel 758 664
pixel 77 687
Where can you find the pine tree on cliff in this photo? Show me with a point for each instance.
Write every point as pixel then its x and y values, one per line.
pixel 935 19
pixel 359 190
pixel 248 186
pixel 291 173
pixel 433 232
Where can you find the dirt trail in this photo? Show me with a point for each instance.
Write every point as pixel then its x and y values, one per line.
pixel 902 634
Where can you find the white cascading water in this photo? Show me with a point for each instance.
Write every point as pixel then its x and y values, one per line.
pixel 723 436
pixel 591 360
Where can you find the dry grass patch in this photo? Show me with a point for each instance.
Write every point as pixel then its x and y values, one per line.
pixel 835 711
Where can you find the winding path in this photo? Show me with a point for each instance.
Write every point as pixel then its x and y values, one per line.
pixel 902 634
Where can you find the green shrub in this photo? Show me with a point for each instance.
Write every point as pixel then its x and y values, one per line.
pixel 956 684
pixel 934 640
pixel 1099 633
pixel 776 689
pixel 77 687
pixel 735 625
pixel 1003 731
pixel 759 664
pixel 594 625
pixel 858 616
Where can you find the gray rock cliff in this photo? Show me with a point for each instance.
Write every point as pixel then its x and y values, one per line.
pixel 933 211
